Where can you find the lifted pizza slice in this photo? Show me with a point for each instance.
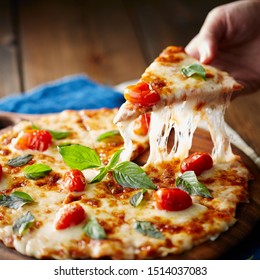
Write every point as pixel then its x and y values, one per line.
pixel 179 92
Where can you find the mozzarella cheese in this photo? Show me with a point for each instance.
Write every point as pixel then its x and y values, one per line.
pixel 108 202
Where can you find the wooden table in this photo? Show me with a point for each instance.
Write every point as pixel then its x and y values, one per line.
pixel 111 41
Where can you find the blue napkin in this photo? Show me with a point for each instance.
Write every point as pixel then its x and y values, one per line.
pixel 73 92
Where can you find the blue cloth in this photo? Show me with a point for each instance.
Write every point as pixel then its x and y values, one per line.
pixel 73 92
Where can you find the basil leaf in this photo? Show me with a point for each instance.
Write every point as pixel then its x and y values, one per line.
pixel 23 223
pixel 102 174
pixel 22 195
pixel 19 161
pixel 188 182
pixel 148 229
pixel 36 127
pixel 64 144
pixel 108 134
pixel 79 157
pixel 129 174
pixel 114 159
pixel 94 230
pixel 36 171
pixel 58 135
pixel 15 200
pixel 194 69
pixel 137 198
pixel 104 170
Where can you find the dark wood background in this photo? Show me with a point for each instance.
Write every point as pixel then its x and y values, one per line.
pixel 111 41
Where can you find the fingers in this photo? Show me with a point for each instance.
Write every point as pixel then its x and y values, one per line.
pixel 205 45
pixel 203 49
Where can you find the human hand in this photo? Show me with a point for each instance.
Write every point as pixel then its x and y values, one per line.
pixel 230 40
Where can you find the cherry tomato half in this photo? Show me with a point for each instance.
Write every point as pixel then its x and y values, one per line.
pixel 141 125
pixel 39 140
pixel 197 162
pixel 70 215
pixel 173 199
pixel 74 181
pixel 142 94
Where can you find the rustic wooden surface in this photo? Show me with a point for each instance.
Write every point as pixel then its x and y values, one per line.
pixel 111 41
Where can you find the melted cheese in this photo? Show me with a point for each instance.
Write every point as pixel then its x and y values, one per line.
pixel 184 102
pixel 183 118
pixel 109 203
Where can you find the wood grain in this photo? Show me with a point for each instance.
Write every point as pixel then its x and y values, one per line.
pixel 163 23
pixel 9 74
pixel 247 214
pixel 66 37
pixel 243 115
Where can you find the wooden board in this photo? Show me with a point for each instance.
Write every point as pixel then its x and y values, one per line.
pixel 9 65
pixel 247 214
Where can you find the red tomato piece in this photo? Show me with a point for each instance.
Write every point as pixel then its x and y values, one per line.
pixel 197 162
pixel 70 215
pixel 141 125
pixel 74 181
pixel 173 199
pixel 38 140
pixel 142 94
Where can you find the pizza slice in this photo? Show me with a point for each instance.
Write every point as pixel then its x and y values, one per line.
pixel 179 92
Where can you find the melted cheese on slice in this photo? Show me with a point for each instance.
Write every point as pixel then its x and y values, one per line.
pixel 184 102
pixel 183 118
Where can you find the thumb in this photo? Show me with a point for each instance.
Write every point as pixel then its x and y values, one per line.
pixel 207 50
pixel 203 49
pixel 205 45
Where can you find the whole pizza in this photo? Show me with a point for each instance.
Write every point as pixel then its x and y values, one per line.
pixel 71 187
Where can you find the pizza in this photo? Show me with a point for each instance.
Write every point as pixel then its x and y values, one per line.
pixel 181 93
pixel 71 187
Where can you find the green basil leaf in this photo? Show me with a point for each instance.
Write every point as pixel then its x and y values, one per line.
pixel 104 170
pixel 23 223
pixel 15 200
pixel 114 159
pixel 194 69
pixel 108 134
pixel 188 182
pixel 137 198
pixel 22 195
pixel 129 174
pixel 79 157
pixel 64 144
pixel 58 135
pixel 36 127
pixel 148 229
pixel 101 175
pixel 19 161
pixel 94 230
pixel 36 171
